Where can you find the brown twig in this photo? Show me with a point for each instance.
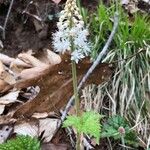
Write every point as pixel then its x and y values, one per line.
pixel 6 20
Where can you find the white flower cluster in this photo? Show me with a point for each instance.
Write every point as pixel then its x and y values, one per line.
pixel 71 29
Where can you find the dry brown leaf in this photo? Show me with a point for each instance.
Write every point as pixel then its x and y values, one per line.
pixel 8 78
pixel 56 86
pixel 7 119
pixel 48 57
pixel 32 73
pixel 19 63
pixel 12 61
pixel 53 57
pixel 40 115
pixel 4 86
pixel 29 59
pixel 6 59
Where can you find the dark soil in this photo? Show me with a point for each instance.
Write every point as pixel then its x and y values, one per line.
pixel 23 31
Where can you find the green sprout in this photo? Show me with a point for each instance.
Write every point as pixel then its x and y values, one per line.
pixel 87 123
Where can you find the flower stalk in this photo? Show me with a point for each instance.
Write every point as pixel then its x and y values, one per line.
pixel 72 37
pixel 77 103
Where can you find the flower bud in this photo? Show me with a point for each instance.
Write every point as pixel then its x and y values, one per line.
pixel 80 17
pixel 121 130
pixel 76 13
pixel 69 14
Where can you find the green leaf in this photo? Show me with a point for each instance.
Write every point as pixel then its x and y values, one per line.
pixel 87 123
pixel 113 124
pixel 21 142
pixel 111 129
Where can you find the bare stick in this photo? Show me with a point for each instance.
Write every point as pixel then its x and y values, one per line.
pixel 96 62
pixel 1 28
pixel 102 53
pixel 6 20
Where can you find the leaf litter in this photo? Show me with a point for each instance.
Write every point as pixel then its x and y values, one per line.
pixel 38 88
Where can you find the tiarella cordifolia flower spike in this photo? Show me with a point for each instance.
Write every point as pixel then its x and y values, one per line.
pixel 71 28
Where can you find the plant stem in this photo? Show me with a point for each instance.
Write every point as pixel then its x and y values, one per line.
pixel 78 141
pixel 77 104
pixel 74 76
pixel 75 88
pixel 123 142
pixel 6 20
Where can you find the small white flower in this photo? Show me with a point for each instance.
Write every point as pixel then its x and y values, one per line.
pixel 61 46
pixel 61 39
pixel 73 32
pixel 77 55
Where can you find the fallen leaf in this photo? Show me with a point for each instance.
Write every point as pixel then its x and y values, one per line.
pixel 7 119
pixel 29 59
pixel 40 115
pixel 53 57
pixel 9 78
pixel 56 86
pixel 43 128
pixel 6 76
pixel 19 63
pixel 6 59
pixel 4 86
pixel 10 98
pixel 33 68
pixel 27 128
pixel 32 73
pixel 47 128
pixel 48 57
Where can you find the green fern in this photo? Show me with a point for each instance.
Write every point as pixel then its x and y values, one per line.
pixel 87 123
pixel 21 143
